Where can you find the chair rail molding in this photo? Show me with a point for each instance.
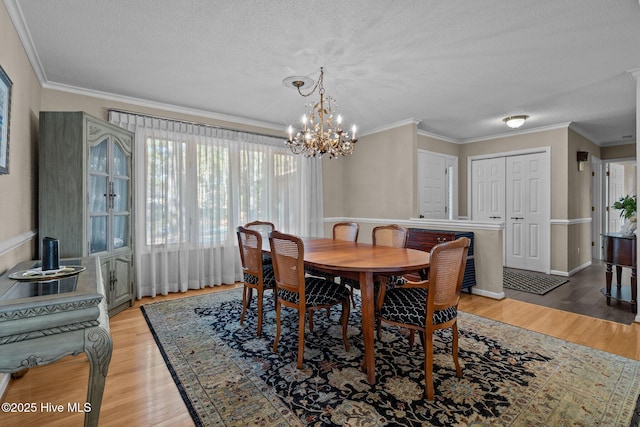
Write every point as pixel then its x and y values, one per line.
pixel 456 224
pixel 572 221
pixel 12 243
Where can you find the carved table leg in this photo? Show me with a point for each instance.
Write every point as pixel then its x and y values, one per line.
pixel 21 373
pixel 98 347
pixel 608 277
pixel 619 275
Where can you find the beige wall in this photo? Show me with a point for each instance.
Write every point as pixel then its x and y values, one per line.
pixel 378 181
pixel 627 151
pixel 578 203
pixel 579 200
pixel 438 146
pixel 18 189
pixel 333 186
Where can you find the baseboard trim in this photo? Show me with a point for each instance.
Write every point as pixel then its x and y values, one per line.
pixel 572 272
pixel 488 294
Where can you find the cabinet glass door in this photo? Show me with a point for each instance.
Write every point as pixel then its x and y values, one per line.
pixel 120 206
pixel 98 204
pixel 109 205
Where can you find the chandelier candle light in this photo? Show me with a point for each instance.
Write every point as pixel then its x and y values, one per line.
pixel 321 133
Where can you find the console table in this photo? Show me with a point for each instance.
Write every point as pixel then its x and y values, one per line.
pixel 621 250
pixel 43 321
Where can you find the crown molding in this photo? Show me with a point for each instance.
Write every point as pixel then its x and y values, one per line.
pixel 392 126
pixel 518 132
pixel 580 131
pixel 17 17
pixel 635 73
pixel 162 106
pixel 439 137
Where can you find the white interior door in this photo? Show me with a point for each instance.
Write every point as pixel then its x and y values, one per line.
pixel 615 186
pixel 527 212
pixel 488 189
pixel 437 185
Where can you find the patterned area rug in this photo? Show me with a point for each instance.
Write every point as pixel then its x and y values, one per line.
pixel 512 377
pixel 532 283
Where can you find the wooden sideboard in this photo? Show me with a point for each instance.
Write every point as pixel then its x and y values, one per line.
pixel 621 250
pixel 425 240
pixel 43 321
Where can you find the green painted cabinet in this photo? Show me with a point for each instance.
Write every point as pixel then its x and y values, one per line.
pixel 86 196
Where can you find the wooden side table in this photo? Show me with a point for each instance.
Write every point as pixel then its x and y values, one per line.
pixel 621 250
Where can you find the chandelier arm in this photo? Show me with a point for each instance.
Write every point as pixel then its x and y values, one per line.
pixel 318 83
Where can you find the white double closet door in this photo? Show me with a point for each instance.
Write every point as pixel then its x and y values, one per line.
pixel 516 190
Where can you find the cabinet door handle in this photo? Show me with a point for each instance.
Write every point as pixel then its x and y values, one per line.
pixel 517 217
pixel 441 239
pixel 495 217
pixel 112 195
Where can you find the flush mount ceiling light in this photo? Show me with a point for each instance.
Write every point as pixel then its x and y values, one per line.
pixel 321 131
pixel 515 122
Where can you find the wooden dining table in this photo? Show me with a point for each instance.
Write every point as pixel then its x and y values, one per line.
pixel 360 261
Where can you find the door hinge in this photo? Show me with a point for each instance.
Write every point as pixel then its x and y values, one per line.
pixel 593 208
pixel 593 243
pixel 607 209
pixel 593 174
pixel 607 173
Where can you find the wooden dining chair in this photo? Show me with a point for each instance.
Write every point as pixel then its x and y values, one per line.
pixel 347 231
pixel 429 305
pixel 305 294
pixel 392 235
pixel 256 275
pixel 264 228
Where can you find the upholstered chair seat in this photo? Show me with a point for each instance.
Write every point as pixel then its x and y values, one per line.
pixel 409 306
pixel 319 292
pixel 268 279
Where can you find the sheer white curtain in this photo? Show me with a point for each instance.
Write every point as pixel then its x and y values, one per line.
pixel 195 184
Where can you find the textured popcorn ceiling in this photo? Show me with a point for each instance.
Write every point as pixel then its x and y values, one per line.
pixel 457 66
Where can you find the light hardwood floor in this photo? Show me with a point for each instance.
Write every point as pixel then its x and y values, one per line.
pixel 141 392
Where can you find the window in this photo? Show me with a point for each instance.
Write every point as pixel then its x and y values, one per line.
pixel 195 184
pixel 194 205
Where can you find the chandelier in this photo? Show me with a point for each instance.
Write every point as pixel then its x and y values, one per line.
pixel 321 131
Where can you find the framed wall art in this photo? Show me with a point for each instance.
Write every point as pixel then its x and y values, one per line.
pixel 5 113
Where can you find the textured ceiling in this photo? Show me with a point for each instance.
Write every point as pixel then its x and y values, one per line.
pixel 458 66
